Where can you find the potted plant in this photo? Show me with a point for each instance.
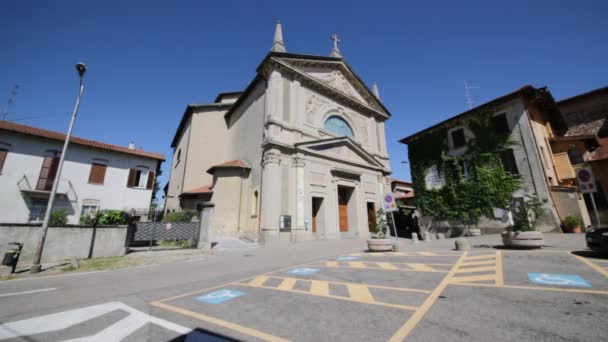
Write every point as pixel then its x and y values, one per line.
pixel 378 241
pixel 572 224
pixel 523 234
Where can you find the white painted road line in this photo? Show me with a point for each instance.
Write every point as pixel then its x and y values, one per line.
pixel 27 292
pixel 115 332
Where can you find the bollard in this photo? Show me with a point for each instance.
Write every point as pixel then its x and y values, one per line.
pixel 75 263
pixel 415 238
pixel 462 245
pixel 440 236
pixel 427 236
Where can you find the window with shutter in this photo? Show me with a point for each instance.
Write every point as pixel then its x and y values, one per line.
pixel 140 179
pixel 98 173
pixel 131 180
pixel 150 184
pixel 3 154
pixel 47 174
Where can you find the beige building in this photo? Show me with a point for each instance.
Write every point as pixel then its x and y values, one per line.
pixel 299 154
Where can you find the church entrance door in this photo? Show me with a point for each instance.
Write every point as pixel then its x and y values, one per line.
pixel 316 207
pixel 343 197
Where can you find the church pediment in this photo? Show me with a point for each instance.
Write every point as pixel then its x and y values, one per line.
pixel 342 149
pixel 337 76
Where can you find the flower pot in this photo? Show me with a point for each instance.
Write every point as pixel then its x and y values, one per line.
pixel 574 230
pixel 380 245
pixel 532 239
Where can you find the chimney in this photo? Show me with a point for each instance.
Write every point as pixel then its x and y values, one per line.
pixel 131 145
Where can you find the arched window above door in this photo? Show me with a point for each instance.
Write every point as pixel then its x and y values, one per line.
pixel 337 125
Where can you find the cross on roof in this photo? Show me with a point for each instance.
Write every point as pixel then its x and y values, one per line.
pixel 334 37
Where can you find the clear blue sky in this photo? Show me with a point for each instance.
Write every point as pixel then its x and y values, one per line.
pixel 148 59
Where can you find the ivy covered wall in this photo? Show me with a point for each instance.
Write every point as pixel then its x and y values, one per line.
pixel 473 184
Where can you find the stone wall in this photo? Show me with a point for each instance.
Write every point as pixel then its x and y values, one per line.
pixel 64 242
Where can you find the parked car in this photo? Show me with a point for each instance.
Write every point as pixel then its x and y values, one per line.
pixel 597 239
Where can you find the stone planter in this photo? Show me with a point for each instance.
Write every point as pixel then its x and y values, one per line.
pixel 380 245
pixel 533 239
pixel 474 232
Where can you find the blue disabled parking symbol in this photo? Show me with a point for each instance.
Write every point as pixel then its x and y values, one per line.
pixel 347 258
pixel 557 279
pixel 304 271
pixel 219 296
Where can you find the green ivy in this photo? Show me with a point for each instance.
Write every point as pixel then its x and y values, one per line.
pixel 463 198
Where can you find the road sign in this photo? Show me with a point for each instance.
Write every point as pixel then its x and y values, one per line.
pixel 219 296
pixel 557 279
pixel 304 271
pixel 389 203
pixel 585 180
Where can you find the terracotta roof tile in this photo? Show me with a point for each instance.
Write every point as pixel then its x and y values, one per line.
pixel 587 128
pixel 39 132
pixel 207 189
pixel 237 163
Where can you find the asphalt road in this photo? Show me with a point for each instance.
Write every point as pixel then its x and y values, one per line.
pixel 325 291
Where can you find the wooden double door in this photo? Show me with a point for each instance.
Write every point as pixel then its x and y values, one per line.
pixel 343 197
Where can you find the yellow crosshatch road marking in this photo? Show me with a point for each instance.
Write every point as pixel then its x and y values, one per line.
pixel 596 267
pixel 356 292
pixel 411 323
pixel 476 269
pixel 478 263
pixel 391 266
pixel 422 267
pixel 319 288
pixel 406 254
pixel 537 288
pixel 359 292
pixel 482 256
pixel 489 270
pixel 287 283
pixel 387 266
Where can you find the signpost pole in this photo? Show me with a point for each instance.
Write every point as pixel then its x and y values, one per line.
pixel 597 216
pixel 393 222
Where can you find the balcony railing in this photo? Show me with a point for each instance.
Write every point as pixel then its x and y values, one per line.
pixel 28 184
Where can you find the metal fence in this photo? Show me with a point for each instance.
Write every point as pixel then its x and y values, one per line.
pixel 144 233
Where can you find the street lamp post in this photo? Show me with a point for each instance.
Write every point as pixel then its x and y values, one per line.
pixel 81 68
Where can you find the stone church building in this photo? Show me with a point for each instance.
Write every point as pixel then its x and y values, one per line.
pixel 299 154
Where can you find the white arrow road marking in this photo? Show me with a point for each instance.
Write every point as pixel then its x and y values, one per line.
pixel 26 292
pixel 66 319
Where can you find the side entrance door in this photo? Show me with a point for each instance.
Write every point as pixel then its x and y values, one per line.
pixel 343 210
pixel 371 215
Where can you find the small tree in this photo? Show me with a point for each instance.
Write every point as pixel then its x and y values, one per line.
pixel 381 226
pixel 526 213
pixel 59 218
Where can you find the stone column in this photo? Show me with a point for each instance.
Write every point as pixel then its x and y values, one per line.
pixel 298 164
pixel 271 197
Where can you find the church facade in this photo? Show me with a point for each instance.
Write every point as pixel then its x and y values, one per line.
pixel 299 154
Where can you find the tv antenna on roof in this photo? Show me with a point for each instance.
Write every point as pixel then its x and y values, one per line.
pixel 11 99
pixel 467 94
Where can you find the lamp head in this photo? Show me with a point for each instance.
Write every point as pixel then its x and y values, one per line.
pixel 81 67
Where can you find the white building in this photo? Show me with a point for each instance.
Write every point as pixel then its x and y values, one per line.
pixel 95 175
pixel 299 154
